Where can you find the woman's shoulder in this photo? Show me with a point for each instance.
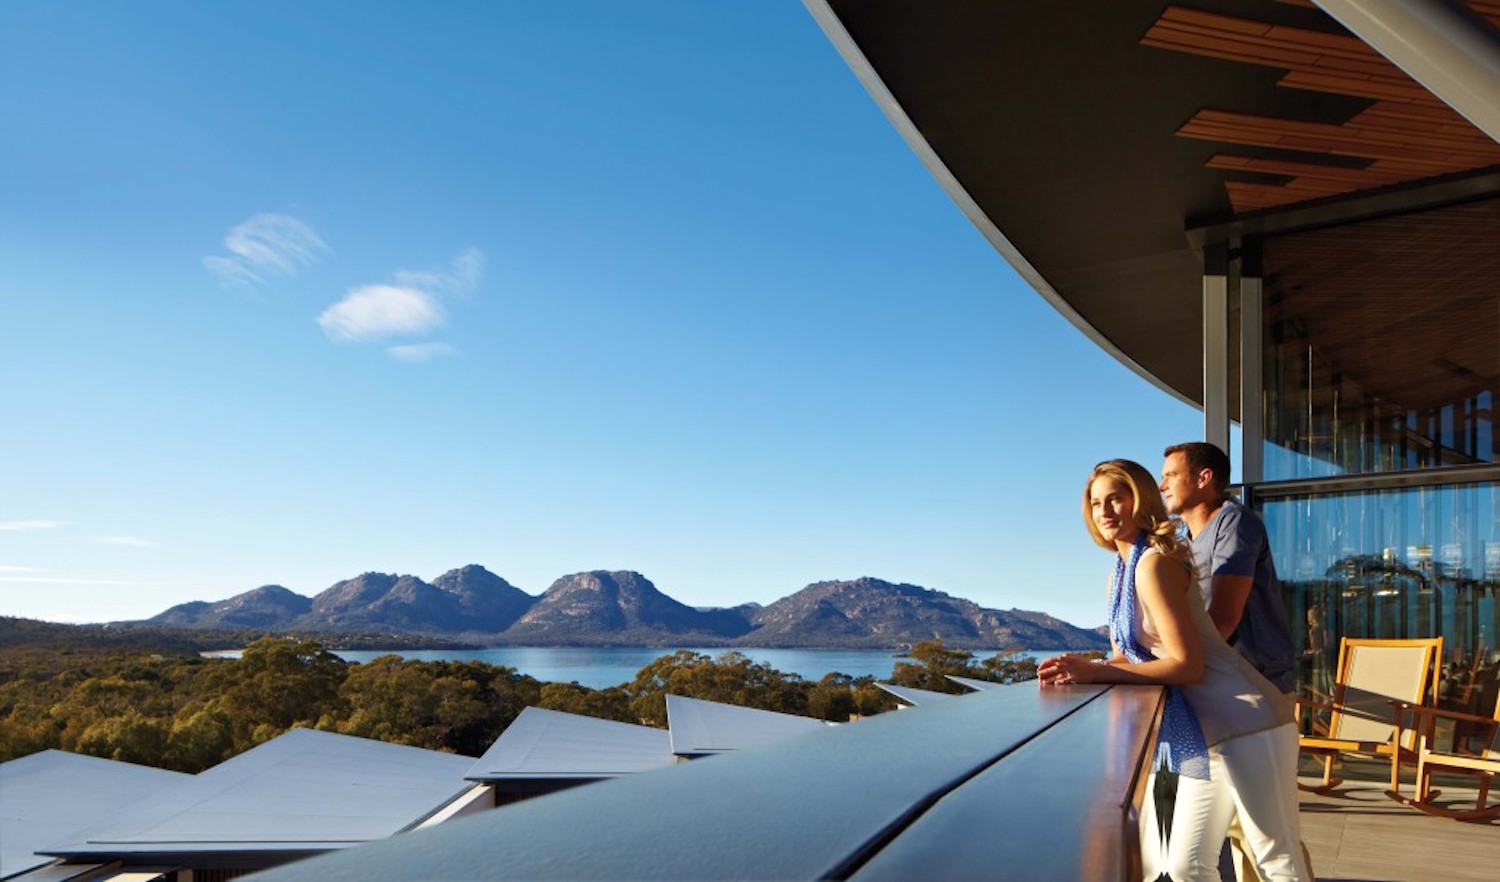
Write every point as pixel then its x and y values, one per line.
pixel 1163 568
pixel 1160 558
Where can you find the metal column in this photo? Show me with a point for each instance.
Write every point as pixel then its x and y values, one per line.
pixel 1252 425
pixel 1216 345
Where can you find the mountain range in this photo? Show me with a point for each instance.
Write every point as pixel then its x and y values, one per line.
pixel 623 608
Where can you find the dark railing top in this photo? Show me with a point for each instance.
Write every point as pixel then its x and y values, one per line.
pixel 1042 782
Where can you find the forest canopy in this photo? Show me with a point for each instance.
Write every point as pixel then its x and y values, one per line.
pixel 150 697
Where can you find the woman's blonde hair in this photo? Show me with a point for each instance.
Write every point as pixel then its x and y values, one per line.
pixel 1150 513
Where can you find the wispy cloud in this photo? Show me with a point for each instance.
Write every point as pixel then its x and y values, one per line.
pixel 231 271
pixel 29 525
pixel 128 541
pixel 420 351
pixel 460 277
pixel 265 245
pixel 411 306
pixel 11 568
pixel 50 580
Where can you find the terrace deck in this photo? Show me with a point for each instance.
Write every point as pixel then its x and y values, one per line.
pixel 1358 834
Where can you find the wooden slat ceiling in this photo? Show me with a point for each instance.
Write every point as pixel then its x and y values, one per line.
pixel 1405 134
pixel 1405 307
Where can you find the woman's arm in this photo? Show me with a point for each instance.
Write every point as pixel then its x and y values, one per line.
pixel 1162 585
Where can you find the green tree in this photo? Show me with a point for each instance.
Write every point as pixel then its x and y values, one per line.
pixel 276 684
pixel 870 699
pixel 832 698
pixel 100 700
pixel 930 666
pixel 199 739
pixel 732 678
pixel 129 737
pixel 456 706
pixel 19 738
pixel 1008 666
pixel 612 703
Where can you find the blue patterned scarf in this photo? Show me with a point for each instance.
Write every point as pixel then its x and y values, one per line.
pixel 1180 745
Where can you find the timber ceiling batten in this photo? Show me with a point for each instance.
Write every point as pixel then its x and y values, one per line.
pixel 1406 134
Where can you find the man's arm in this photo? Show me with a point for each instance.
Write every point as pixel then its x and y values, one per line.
pixel 1236 543
pixel 1227 598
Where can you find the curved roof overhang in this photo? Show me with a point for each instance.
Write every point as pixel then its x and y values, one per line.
pixel 1100 146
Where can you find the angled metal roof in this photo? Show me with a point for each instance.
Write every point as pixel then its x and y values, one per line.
pixel 976 685
pixel 548 744
pixel 914 696
pixel 52 795
pixel 819 806
pixel 304 791
pixel 702 727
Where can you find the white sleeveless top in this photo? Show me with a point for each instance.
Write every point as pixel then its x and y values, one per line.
pixel 1232 698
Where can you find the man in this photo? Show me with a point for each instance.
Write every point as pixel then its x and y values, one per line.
pixel 1233 555
pixel 1237 576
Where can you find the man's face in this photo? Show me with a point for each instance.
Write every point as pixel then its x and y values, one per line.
pixel 1180 488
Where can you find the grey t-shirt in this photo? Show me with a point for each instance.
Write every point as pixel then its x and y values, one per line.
pixel 1234 543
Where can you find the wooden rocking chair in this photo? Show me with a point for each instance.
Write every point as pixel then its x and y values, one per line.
pixel 1376 680
pixel 1484 765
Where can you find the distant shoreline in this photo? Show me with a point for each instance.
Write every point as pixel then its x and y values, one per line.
pixel 607 667
pixel 900 651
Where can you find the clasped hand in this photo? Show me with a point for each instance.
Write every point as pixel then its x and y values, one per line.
pixel 1066 669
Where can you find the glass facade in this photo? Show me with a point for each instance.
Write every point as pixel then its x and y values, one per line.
pixel 1417 561
pixel 1381 344
pixel 1381 373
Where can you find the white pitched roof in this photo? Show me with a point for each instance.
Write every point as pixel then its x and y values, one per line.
pixel 913 696
pixel 548 744
pixel 52 795
pixel 702 727
pixel 976 685
pixel 302 791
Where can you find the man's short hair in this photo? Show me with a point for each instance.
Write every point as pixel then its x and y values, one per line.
pixel 1201 455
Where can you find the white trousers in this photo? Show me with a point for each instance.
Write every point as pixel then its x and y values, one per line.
pixel 1254 775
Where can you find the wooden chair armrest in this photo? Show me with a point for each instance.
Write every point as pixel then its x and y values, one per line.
pixel 1316 705
pixel 1423 710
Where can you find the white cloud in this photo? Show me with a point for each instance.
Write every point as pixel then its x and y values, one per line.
pixel 420 351
pixel 11 568
pixel 275 244
pixel 29 525
pixel 411 306
pixel 378 311
pixel 128 541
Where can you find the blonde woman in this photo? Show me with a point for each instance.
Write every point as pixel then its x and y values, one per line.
pixel 1226 730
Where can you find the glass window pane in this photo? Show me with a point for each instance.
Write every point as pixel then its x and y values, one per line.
pixel 1411 562
pixel 1382 344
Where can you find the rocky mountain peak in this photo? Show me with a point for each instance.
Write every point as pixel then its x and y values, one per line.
pixel 624 608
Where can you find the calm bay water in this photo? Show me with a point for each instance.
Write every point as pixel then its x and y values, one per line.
pixel 598 667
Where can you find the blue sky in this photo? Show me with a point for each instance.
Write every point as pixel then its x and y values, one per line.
pixel 291 292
